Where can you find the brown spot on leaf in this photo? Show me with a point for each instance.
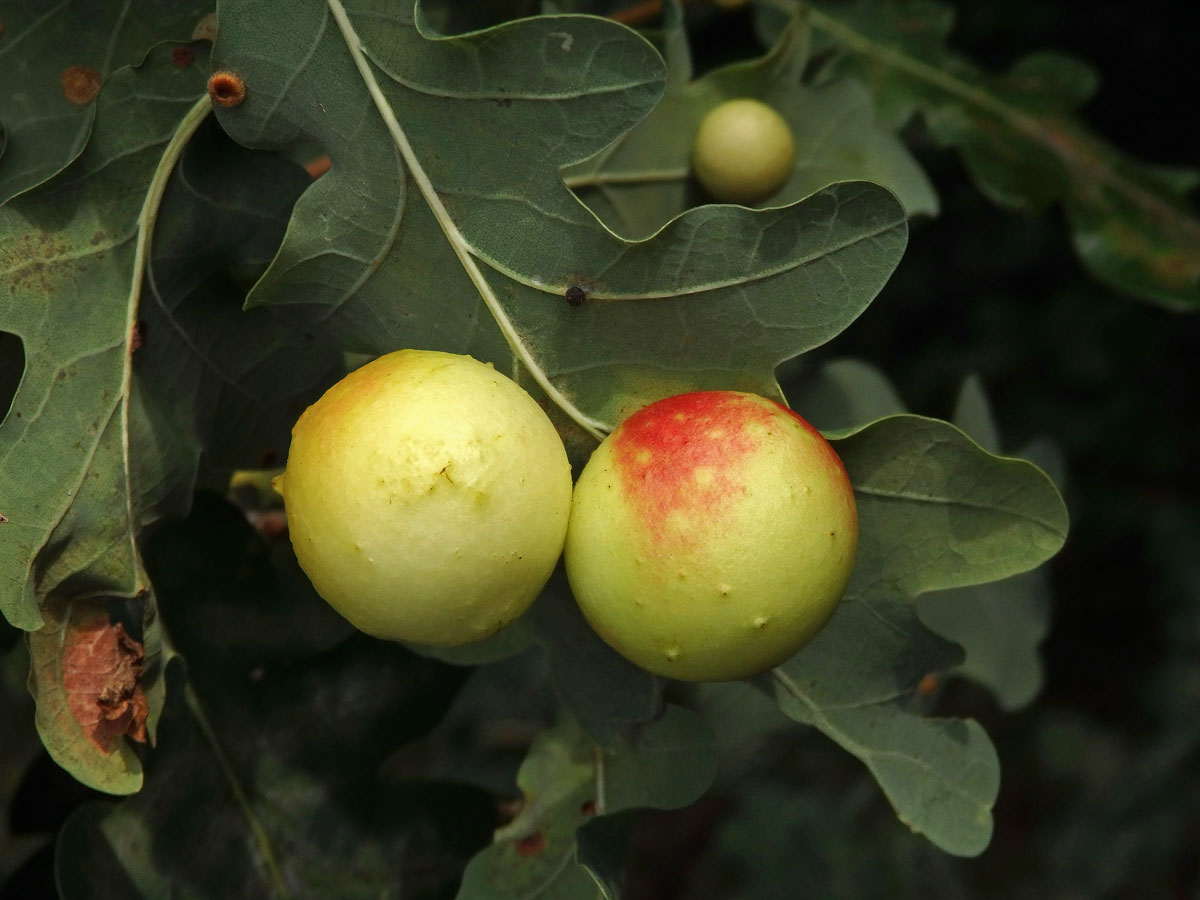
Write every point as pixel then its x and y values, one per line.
pixel 182 57
pixel 318 166
pixel 226 89
pixel 927 685
pixel 101 676
pixel 3 519
pixel 589 808
pixel 531 845
pixel 137 337
pixel 80 84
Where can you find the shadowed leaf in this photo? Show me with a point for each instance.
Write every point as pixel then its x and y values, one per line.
pixel 60 54
pixel 1132 223
pixel 568 782
pixel 1001 624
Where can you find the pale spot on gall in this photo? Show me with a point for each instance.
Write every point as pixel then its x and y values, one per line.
pixel 80 84
pixel 761 621
pixel 672 653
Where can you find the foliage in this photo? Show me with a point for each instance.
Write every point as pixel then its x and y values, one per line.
pixel 179 287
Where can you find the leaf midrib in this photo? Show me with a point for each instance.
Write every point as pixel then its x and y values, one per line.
pixel 458 243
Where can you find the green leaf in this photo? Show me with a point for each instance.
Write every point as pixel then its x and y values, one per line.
pixel 47 122
pixel 1132 226
pixel 942 776
pixel 205 377
pixel 231 811
pixel 845 394
pixel 567 780
pixel 603 691
pixel 639 183
pixel 71 248
pixel 74 506
pixel 429 232
pixel 1000 624
pixel 137 351
pixel 79 662
pixel 941 512
pixel 935 511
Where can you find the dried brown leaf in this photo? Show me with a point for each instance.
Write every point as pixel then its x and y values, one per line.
pixel 101 676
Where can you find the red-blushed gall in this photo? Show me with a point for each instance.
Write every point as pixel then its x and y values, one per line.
pixel 711 536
